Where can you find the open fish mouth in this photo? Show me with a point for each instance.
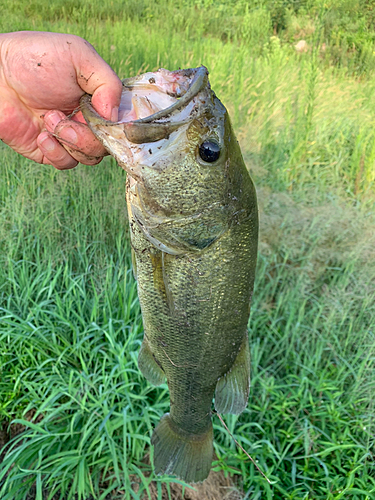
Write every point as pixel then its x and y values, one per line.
pixel 153 105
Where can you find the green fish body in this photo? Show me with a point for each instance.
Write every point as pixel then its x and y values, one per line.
pixel 194 230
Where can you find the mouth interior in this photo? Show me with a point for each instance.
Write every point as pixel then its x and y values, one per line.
pixel 151 93
pixel 142 102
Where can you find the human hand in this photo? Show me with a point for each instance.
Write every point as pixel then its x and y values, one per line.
pixel 42 78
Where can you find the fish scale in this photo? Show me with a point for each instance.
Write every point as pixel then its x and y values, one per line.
pixel 194 234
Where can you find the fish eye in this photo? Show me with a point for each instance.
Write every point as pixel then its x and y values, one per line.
pixel 209 151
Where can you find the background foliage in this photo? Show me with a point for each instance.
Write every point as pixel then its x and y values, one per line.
pixel 70 324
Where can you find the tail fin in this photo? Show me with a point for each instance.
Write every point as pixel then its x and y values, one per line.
pixel 179 453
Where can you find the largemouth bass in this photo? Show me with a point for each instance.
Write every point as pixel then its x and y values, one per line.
pixel 194 231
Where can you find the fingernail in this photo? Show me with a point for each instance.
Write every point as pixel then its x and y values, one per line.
pixel 47 143
pixel 52 119
pixel 114 114
pixel 68 134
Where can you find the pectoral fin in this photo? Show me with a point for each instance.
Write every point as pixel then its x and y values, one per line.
pixel 148 365
pixel 232 389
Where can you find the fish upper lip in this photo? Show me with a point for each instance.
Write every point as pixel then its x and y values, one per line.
pixel 200 80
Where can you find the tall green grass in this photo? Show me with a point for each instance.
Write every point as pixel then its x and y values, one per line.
pixel 71 329
pixel 70 324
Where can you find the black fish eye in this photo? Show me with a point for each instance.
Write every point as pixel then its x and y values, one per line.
pixel 209 151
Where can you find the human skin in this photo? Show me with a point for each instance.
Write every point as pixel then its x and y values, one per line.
pixel 42 78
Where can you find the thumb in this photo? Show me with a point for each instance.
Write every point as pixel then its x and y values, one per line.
pixel 97 78
pixel 106 99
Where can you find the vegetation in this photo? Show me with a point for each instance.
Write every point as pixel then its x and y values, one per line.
pixel 70 323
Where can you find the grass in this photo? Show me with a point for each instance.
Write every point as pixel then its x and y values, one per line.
pixel 70 323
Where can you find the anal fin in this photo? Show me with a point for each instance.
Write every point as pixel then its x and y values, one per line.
pixel 148 365
pixel 232 389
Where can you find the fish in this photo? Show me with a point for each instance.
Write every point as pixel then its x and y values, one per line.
pixel 193 219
